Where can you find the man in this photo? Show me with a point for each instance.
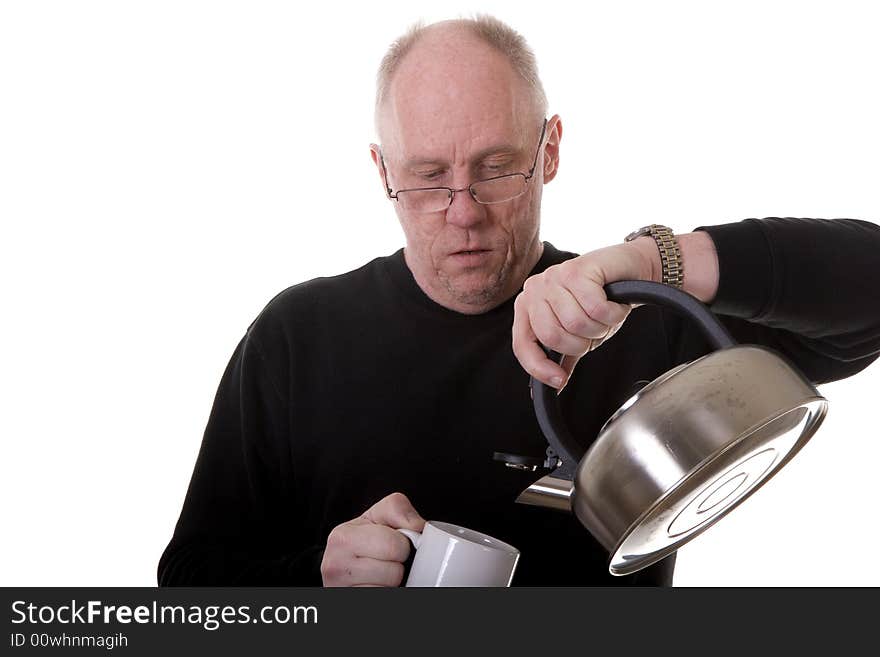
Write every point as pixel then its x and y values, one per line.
pixel 367 402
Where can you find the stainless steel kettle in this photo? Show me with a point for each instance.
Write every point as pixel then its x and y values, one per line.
pixel 685 450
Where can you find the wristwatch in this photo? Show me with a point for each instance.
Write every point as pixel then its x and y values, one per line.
pixel 670 253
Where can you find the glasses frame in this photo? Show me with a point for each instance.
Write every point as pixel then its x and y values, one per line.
pixel 393 195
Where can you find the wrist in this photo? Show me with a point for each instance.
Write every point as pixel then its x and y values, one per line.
pixel 701 265
pixel 651 268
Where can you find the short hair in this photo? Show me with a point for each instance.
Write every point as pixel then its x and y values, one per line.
pixel 488 29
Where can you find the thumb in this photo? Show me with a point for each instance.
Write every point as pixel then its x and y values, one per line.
pixel 397 512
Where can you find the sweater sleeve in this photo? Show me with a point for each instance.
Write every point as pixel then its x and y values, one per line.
pixel 236 527
pixel 804 287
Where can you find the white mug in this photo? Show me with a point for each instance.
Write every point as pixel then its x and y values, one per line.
pixel 449 555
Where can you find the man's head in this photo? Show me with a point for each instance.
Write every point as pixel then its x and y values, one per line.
pixel 458 102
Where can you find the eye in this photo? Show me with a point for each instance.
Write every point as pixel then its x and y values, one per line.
pixel 429 176
pixel 495 168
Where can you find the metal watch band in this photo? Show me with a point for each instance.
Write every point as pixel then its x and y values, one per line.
pixel 670 253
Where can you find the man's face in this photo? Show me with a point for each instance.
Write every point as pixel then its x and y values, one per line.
pixel 457 113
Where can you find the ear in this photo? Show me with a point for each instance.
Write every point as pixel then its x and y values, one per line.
pixel 376 154
pixel 551 148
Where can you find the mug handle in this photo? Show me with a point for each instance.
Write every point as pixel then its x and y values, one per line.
pixel 414 537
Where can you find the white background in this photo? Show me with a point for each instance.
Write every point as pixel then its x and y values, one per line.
pixel 167 167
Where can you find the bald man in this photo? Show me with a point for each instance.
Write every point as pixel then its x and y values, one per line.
pixel 362 404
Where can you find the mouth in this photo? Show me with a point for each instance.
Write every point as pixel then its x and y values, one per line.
pixel 471 251
pixel 471 258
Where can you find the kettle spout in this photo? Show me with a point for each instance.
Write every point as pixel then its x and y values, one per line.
pixel 550 492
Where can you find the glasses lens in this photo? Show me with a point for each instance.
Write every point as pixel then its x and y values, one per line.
pixel 424 200
pixel 499 190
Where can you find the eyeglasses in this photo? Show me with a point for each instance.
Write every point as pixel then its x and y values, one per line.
pixel 487 192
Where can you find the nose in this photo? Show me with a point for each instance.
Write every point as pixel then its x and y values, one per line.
pixel 464 211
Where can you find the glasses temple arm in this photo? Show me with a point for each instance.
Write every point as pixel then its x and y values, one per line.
pixel 537 152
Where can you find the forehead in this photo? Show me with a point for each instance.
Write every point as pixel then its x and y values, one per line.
pixel 452 97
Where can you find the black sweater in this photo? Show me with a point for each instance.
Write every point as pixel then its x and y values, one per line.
pixel 346 389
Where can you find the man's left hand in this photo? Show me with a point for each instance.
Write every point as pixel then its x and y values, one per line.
pixel 566 310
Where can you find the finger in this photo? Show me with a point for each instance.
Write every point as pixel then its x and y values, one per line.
pixel 592 298
pixel 528 352
pixel 362 571
pixel 375 572
pixel 573 317
pixel 534 361
pixel 548 329
pixel 395 511
pixel 366 539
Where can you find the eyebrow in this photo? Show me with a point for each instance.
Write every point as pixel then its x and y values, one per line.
pixel 505 149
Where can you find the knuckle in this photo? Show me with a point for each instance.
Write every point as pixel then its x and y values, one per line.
pixel 398 501
pixel 549 336
pixel 596 308
pixel 333 538
pixel 331 567
pixel 340 537
pixel 569 276
pixel 575 323
pixel 536 281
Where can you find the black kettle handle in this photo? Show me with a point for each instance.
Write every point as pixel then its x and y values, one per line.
pixel 545 398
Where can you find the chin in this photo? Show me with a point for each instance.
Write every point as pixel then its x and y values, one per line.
pixel 477 295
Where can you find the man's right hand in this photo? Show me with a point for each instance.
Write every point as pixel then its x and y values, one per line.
pixel 367 551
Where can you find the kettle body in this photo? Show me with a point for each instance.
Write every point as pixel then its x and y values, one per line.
pixel 683 451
